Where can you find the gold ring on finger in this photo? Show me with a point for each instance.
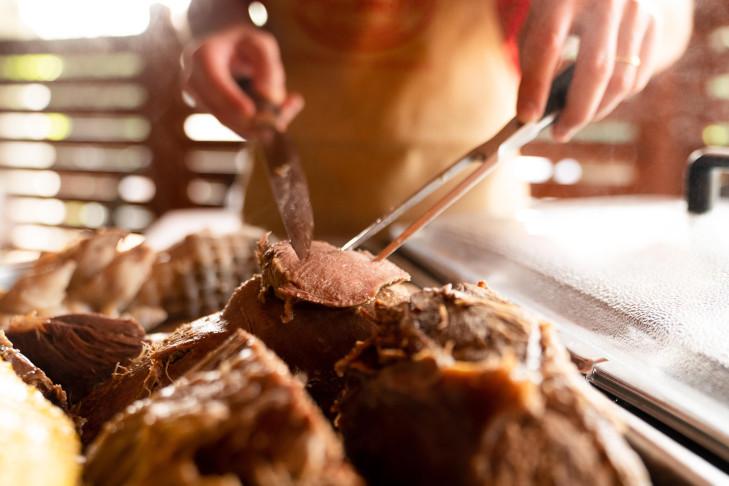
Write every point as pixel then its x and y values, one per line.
pixel 629 60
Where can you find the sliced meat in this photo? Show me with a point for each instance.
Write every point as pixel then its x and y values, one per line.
pixel 328 276
pixel 158 365
pixel 31 374
pixel 461 387
pixel 238 418
pixel 311 343
pixel 77 351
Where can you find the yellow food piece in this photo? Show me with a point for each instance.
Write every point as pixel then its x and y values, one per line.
pixel 38 443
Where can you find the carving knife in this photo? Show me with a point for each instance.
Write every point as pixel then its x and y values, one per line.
pixel 285 174
pixel 508 140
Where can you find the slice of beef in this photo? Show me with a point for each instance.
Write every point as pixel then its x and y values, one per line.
pixel 461 387
pixel 77 351
pixel 238 418
pixel 157 366
pixel 31 374
pixel 328 276
pixel 311 343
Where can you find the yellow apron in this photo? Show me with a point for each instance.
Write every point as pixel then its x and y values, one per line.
pixel 395 90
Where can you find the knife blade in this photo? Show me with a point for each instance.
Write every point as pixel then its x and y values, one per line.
pixel 285 173
pixel 510 138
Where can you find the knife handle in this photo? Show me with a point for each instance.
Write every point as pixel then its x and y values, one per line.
pixel 558 92
pixel 262 104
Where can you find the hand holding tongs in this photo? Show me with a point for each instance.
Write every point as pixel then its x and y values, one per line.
pixel 511 138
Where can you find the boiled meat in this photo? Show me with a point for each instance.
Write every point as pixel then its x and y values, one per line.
pixel 237 418
pixel 31 374
pixel 77 351
pixel 461 387
pixel 328 276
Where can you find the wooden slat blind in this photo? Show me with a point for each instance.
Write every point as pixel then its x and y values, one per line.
pixel 92 134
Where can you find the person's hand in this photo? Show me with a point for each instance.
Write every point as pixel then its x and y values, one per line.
pixel 243 51
pixel 617 57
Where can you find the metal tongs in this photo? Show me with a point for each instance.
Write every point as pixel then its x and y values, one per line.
pixel 513 136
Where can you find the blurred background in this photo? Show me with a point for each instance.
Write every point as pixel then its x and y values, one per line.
pixel 94 130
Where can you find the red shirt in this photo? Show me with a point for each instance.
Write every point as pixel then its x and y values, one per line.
pixel 513 13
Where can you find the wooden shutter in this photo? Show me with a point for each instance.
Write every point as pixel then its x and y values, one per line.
pixel 92 133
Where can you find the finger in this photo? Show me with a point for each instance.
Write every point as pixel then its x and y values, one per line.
pixel 593 69
pixel 291 107
pixel 545 33
pixel 213 84
pixel 261 56
pixel 630 40
pixel 647 59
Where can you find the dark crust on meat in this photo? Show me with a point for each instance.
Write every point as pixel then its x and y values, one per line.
pixel 78 351
pixel 31 374
pixel 328 276
pixel 558 434
pixel 239 414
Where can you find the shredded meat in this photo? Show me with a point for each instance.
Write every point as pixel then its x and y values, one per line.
pixel 157 366
pixel 31 374
pixel 77 351
pixel 238 417
pixel 461 387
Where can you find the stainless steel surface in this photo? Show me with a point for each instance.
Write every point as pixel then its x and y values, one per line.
pixel 634 280
pixel 667 461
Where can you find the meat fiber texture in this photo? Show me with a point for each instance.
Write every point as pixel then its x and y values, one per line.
pixel 106 273
pixel 77 351
pixel 461 387
pixel 237 418
pixel 328 276
pixel 31 374
pixel 158 365
pixel 197 276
